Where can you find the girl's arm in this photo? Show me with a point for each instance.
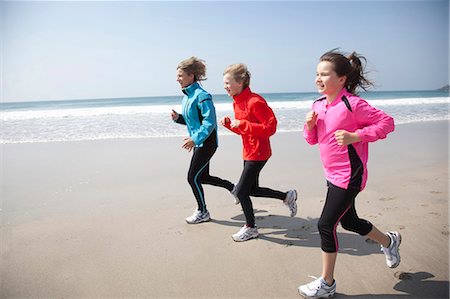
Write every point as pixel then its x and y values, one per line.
pixel 376 123
pixel 310 128
pixel 208 113
pixel 226 122
pixel 178 118
pixel 267 125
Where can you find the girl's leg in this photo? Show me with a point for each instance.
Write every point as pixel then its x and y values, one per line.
pixel 258 191
pixel 338 202
pixel 247 180
pixel 390 242
pixel 328 263
pixel 206 178
pixel 379 237
pixel 199 163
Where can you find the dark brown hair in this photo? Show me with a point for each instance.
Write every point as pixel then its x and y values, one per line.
pixel 351 66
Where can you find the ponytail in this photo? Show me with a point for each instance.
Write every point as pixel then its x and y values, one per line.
pixel 351 67
pixel 357 77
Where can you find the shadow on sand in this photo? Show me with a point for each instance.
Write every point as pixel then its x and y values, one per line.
pixel 414 285
pixel 295 231
pixel 302 232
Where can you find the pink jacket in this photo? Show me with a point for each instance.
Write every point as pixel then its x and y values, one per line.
pixel 346 166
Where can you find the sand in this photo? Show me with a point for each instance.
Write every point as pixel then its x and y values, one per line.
pixel 106 219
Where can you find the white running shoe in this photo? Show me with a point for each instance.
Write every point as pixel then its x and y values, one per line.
pixel 236 198
pixel 317 289
pixel 392 252
pixel 291 201
pixel 245 233
pixel 198 217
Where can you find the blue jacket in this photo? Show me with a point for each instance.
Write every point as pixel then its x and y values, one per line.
pixel 199 115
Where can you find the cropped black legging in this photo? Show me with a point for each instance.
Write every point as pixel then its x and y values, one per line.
pixel 248 185
pixel 340 207
pixel 198 174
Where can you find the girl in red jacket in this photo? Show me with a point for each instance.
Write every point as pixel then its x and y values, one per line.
pixel 255 122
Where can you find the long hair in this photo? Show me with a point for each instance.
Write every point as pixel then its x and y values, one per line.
pixel 351 66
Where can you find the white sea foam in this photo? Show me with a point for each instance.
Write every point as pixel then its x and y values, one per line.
pixel 53 123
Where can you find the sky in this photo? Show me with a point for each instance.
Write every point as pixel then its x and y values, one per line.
pixel 111 49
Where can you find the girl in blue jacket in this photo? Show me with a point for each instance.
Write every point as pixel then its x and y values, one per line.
pixel 199 115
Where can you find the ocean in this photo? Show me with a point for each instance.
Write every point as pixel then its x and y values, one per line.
pixel 149 117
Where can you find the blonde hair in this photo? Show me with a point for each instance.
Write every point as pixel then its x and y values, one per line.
pixel 239 72
pixel 194 65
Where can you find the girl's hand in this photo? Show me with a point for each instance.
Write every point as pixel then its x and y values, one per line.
pixel 225 120
pixel 188 144
pixel 345 138
pixel 174 115
pixel 235 123
pixel 311 119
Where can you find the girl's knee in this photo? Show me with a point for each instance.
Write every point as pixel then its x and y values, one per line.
pixel 241 192
pixel 361 226
pixel 191 179
pixel 324 227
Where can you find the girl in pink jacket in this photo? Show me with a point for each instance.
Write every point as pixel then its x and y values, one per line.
pixel 342 124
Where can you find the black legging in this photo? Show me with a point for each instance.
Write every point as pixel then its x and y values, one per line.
pixel 249 186
pixel 198 174
pixel 340 207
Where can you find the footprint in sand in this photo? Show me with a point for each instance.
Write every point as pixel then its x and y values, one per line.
pixel 288 243
pixel 435 192
pixel 386 199
pixel 403 275
pixel 302 228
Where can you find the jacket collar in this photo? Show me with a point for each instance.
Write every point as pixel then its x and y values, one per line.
pixel 189 90
pixel 339 96
pixel 244 95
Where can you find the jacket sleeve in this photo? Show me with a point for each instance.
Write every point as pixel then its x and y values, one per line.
pixel 267 125
pixel 180 120
pixel 376 124
pixel 209 123
pixel 310 136
pixel 235 130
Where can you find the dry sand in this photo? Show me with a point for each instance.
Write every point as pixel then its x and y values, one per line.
pixel 106 219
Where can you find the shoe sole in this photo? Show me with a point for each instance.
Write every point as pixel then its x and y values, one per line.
pixel 316 297
pixel 296 210
pixel 255 237
pixel 201 221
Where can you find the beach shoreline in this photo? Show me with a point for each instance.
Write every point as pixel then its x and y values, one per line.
pixel 105 218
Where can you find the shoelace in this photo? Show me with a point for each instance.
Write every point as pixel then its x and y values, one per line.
pixel 314 284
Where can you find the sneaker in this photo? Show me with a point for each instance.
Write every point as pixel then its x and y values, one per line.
pixel 236 198
pixel 392 252
pixel 245 233
pixel 198 217
pixel 317 289
pixel 291 202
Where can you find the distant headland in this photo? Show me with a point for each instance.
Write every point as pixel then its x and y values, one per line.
pixel 444 88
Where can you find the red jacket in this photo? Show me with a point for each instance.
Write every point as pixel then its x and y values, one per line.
pixel 258 123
